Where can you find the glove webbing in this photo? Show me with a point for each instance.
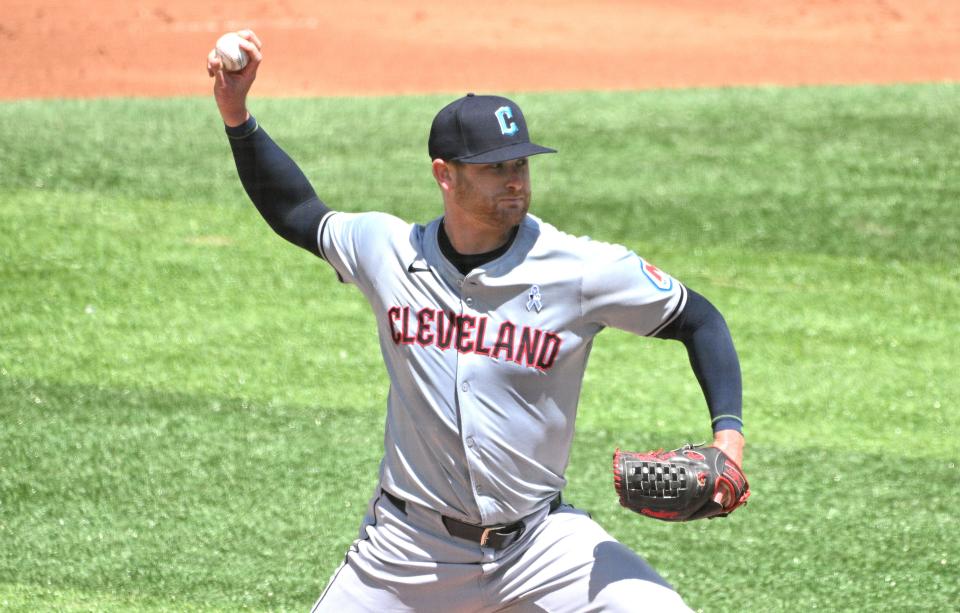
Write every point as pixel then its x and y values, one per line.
pixel 661 480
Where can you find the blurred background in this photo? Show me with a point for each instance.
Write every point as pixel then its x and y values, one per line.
pixel 153 48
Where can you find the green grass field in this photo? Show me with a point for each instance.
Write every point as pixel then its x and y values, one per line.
pixel 191 409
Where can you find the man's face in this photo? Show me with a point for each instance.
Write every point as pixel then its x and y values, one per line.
pixel 497 195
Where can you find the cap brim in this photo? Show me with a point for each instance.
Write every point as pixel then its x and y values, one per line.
pixel 504 154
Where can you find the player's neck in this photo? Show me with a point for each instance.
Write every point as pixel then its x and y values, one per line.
pixel 466 263
pixel 473 240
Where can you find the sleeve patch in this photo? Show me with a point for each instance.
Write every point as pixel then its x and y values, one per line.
pixel 660 280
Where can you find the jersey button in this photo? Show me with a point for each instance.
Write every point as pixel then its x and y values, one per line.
pixel 470 442
pixel 465 386
pixel 469 301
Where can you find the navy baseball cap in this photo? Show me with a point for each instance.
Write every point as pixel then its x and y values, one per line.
pixel 481 130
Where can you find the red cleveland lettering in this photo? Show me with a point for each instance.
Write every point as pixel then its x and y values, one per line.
pixel 481 331
pixel 406 338
pixel 504 341
pixel 548 351
pixel 424 318
pixel 445 325
pixel 531 347
pixel 464 323
pixel 393 314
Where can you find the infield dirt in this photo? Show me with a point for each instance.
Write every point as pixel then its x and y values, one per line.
pixel 153 48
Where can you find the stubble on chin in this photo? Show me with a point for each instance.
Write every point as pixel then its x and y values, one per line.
pixel 513 216
pixel 494 212
pixel 514 213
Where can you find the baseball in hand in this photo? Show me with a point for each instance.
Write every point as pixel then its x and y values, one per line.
pixel 233 57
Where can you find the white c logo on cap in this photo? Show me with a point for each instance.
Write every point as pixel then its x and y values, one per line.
pixel 503 114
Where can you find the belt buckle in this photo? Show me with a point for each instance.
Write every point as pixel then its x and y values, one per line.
pixel 485 536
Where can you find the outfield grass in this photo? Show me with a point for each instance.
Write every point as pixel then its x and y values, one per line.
pixel 191 409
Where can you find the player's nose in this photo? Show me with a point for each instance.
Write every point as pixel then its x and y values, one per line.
pixel 516 180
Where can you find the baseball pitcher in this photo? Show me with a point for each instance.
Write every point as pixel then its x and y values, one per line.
pixel 486 317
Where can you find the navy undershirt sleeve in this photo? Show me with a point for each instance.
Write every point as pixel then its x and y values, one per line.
pixel 276 185
pixel 704 332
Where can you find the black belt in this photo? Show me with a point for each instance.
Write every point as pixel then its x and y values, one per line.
pixel 495 537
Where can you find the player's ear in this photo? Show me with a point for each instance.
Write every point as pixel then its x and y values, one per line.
pixel 443 174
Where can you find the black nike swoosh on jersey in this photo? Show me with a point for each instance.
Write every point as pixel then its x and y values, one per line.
pixel 412 268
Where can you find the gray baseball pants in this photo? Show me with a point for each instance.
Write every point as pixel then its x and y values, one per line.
pixel 564 562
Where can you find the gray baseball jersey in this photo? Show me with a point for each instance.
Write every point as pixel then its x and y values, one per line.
pixel 486 369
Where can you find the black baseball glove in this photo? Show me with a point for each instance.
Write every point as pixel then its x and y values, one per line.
pixel 678 485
